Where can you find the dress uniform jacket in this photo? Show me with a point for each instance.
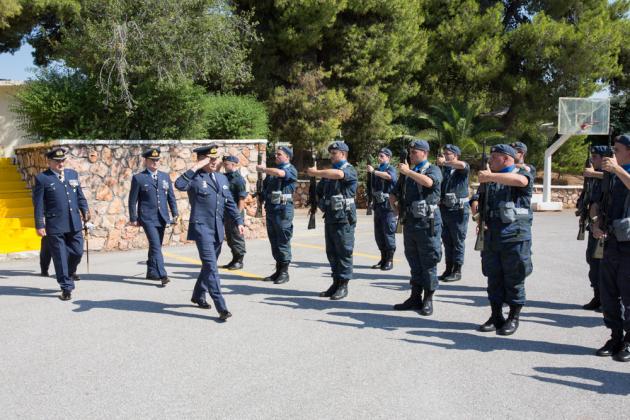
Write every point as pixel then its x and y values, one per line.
pixel 149 201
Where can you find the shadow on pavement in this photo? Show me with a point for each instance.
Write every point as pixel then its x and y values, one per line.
pixel 132 305
pixel 392 322
pixel 562 320
pixel 19 273
pixel 608 382
pixel 323 304
pixel 27 291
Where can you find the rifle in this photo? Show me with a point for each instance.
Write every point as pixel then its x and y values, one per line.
pixel 402 197
pixel 603 207
pixel 369 193
pixel 482 209
pixel 259 187
pixel 312 195
pixel 583 202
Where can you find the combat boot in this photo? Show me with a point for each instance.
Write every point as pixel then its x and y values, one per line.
pixel 237 264
pixel 275 275
pixel 342 290
pixel 229 265
pixel 388 263
pixel 447 272
pixel 331 290
pixel 283 274
pixel 413 302
pixel 595 303
pixel 511 323
pixel 456 274
pixel 381 262
pixel 612 346
pixel 623 355
pixel 496 319
pixel 427 303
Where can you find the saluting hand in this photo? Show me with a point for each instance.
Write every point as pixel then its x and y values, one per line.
pixel 485 175
pixel 201 163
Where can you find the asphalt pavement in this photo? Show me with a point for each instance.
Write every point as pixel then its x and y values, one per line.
pixel 125 348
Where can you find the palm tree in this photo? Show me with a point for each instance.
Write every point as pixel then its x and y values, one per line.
pixel 460 124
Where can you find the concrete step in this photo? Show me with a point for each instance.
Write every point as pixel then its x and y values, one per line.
pixel 16 223
pixel 16 202
pixel 17 212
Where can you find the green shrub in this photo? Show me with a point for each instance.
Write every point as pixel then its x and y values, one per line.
pixel 235 117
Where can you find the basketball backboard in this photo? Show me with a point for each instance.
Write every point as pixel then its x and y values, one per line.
pixel 583 116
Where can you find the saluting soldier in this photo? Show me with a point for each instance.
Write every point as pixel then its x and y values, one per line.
pixel 210 201
pixel 336 192
pixel 455 210
pixel 423 225
pixel 150 198
pixel 238 188
pixel 278 188
pixel 506 257
pixel 521 151
pixel 594 175
pixel 383 181
pixel 614 283
pixel 59 207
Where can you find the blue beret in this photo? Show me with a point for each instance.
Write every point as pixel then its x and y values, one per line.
pixel 152 153
pixel 520 146
pixel 506 149
pixel 230 158
pixel 453 148
pixel 339 145
pixel 287 150
pixel 623 139
pixel 212 150
pixel 601 150
pixel 420 145
pixel 57 154
pixel 386 151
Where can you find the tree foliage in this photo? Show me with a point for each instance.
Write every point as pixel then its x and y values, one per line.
pixel 235 117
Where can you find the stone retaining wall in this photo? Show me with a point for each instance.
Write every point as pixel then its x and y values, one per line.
pixel 105 170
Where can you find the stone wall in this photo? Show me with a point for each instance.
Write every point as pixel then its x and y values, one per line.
pixel 105 170
pixel 567 194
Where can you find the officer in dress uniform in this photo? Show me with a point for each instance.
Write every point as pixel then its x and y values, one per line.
pixel 59 207
pixel 383 181
pixel 238 188
pixel 210 201
pixel 594 175
pixel 423 226
pixel 278 188
pixel 44 257
pixel 150 198
pixel 521 151
pixel 506 257
pixel 455 210
pixel 336 192
pixel 614 283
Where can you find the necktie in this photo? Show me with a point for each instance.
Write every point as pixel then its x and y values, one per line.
pixel 214 181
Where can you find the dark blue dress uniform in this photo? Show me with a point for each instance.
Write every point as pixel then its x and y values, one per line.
pixel 455 211
pixel 614 283
pixel 384 216
pixel 150 198
pixel 234 239
pixel 210 201
pixel 339 224
pixel 278 193
pixel 59 205
pixel 593 263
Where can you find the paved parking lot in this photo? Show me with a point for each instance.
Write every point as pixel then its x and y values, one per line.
pixel 125 348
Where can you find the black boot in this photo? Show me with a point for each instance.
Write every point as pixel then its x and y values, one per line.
pixel 595 303
pixel 342 290
pixel 413 302
pixel 612 346
pixel 283 274
pixel 496 319
pixel 447 271
pixel 229 265
pixel 511 323
pixel 381 262
pixel 456 274
pixel 388 263
pixel 237 264
pixel 275 275
pixel 427 303
pixel 331 290
pixel 623 355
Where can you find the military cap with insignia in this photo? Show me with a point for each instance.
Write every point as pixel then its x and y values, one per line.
pixel 453 148
pixel 506 149
pixel 601 150
pixel 287 150
pixel 339 145
pixel 230 158
pixel 57 154
pixel 520 146
pixel 623 139
pixel 152 153
pixel 386 151
pixel 419 144
pixel 212 150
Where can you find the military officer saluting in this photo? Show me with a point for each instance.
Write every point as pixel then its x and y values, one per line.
pixel 238 188
pixel 59 207
pixel 506 256
pixel 210 201
pixel 336 192
pixel 614 286
pixel 383 181
pixel 278 188
pixel 454 209
pixel 150 198
pixel 422 227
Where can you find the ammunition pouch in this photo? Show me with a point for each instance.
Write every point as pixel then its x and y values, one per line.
pixel 338 202
pixel 277 197
pixel 421 210
pixel 509 213
pixel 450 201
pixel 380 197
pixel 621 229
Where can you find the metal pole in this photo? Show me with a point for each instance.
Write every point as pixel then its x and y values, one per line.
pixel 547 176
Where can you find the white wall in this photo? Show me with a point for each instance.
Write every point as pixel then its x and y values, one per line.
pixel 10 135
